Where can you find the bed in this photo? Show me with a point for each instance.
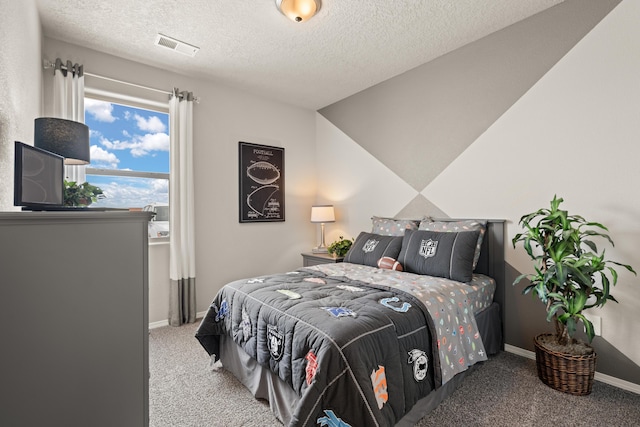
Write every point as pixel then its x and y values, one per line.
pixel 352 344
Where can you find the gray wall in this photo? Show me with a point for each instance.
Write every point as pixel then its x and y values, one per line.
pixel 477 132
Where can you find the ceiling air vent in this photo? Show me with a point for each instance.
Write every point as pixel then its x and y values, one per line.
pixel 176 45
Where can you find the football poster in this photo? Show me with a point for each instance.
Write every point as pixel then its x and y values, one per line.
pixel 261 183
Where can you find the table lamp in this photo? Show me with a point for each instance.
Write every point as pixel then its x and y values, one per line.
pixel 67 138
pixel 322 214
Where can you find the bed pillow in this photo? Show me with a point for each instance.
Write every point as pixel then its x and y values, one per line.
pixel 441 254
pixel 393 226
pixel 368 248
pixel 455 226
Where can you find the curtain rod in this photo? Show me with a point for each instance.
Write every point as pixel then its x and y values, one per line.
pixel 49 64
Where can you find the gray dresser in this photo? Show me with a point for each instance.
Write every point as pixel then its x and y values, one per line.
pixel 74 319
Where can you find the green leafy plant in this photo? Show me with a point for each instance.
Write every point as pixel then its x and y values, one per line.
pixel 340 247
pixel 81 195
pixel 570 275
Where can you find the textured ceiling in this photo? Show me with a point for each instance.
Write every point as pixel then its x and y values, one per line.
pixel 348 46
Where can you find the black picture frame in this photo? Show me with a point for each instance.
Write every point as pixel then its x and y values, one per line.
pixel 261 180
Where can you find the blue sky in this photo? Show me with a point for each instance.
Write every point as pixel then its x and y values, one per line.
pixel 128 138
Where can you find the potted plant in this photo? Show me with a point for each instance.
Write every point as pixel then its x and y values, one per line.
pixel 81 195
pixel 340 247
pixel 570 277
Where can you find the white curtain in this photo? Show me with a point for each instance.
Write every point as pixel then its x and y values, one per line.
pixel 182 266
pixel 68 103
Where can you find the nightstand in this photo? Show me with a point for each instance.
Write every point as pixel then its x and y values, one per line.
pixel 309 259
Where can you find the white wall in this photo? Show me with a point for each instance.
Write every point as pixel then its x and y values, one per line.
pixel 158 282
pixel 20 80
pixel 575 134
pixel 225 249
pixel 355 182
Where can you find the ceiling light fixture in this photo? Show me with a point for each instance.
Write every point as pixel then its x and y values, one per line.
pixel 298 10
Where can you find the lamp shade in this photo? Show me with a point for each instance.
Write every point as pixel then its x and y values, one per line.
pixel 298 10
pixel 322 213
pixel 66 138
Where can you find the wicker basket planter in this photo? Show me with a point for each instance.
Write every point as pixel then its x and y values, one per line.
pixel 565 372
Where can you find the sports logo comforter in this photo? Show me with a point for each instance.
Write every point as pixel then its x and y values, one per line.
pixel 356 353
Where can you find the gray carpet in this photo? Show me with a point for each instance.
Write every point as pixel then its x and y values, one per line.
pixel 503 391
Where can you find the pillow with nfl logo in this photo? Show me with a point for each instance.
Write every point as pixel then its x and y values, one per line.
pixel 368 248
pixel 454 226
pixel 441 254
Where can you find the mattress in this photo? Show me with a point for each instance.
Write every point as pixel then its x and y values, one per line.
pixel 479 291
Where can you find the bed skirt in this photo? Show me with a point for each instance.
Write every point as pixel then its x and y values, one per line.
pixel 263 384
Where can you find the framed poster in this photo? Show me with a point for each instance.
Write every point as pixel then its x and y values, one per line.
pixel 261 183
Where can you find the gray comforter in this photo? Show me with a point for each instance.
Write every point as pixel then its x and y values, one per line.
pixel 356 353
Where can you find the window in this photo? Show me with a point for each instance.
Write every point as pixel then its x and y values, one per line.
pixel 130 158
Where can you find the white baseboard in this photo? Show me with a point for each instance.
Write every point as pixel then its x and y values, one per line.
pixel 607 379
pixel 158 324
pixel 520 351
pixel 161 323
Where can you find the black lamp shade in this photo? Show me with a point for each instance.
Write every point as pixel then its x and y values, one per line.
pixel 66 138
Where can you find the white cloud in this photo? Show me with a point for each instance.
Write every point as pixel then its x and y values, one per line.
pixel 116 144
pixel 160 186
pixel 152 124
pixel 100 110
pixel 150 142
pixel 133 192
pixel 140 145
pixel 105 158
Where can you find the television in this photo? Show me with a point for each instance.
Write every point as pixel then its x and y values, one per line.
pixel 38 179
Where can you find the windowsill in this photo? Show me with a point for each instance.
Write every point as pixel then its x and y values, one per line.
pixel 158 241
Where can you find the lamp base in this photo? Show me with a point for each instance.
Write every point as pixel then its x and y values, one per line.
pixel 320 250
